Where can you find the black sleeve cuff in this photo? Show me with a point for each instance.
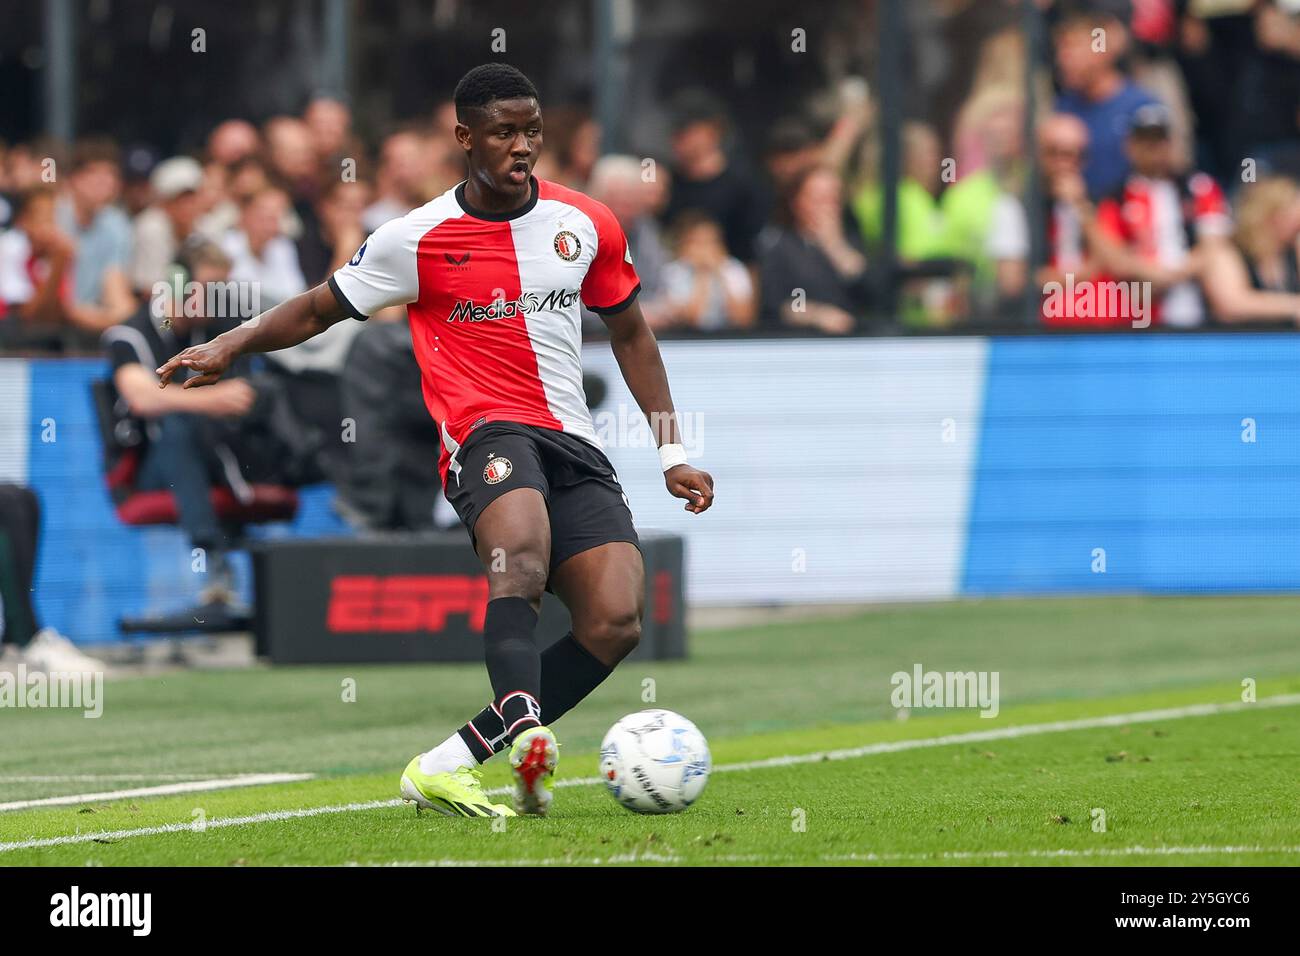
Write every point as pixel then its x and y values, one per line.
pixel 348 307
pixel 619 306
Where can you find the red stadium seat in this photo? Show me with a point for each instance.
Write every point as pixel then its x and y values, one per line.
pixel 268 502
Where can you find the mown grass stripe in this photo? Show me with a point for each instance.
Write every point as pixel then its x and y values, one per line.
pixel 1025 730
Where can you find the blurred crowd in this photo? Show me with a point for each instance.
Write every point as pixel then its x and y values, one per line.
pixel 1166 149
pixel 1138 169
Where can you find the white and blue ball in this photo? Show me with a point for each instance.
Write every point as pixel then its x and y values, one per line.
pixel 655 761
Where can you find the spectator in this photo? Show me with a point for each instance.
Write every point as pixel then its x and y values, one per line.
pixel 260 253
pixel 1095 89
pixel 403 182
pixel 1268 226
pixel 384 483
pixel 792 148
pixel 995 121
pixel 1258 275
pixel 619 182
pixel 705 288
pixel 338 234
pixel 101 236
pixel 1073 237
pixel 35 274
pixel 263 256
pixel 189 439
pixel 291 155
pixel 232 141
pixel 329 121
pixel 137 193
pixel 243 180
pixel 813 272
pixel 921 228
pixel 705 178
pixel 1159 222
pixel 161 229
pixel 446 157
pixel 572 147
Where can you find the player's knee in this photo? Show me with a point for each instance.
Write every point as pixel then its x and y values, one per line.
pixel 522 575
pixel 617 634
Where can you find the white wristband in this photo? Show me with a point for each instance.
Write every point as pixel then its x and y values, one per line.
pixel 670 456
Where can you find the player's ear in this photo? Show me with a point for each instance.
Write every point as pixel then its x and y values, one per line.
pixel 464 136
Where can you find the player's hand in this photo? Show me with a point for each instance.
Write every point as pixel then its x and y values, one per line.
pixel 694 485
pixel 210 360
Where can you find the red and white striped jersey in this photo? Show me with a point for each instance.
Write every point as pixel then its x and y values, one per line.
pixel 1161 220
pixel 493 301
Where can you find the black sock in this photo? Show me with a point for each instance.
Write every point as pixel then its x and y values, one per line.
pixel 569 674
pixel 514 663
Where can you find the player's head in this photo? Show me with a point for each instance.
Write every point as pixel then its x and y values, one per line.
pixel 499 125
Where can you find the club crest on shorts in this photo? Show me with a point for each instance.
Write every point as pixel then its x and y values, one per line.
pixel 498 469
pixel 567 246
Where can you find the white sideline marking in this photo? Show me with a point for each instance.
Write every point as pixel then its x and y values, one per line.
pixel 1024 730
pixel 112 836
pixel 976 736
pixel 193 786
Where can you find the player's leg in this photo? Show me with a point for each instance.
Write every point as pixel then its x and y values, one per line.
pixel 514 544
pixel 502 501
pixel 604 589
pixel 512 539
pixel 596 570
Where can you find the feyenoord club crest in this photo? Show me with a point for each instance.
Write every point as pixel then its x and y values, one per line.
pixel 567 246
pixel 498 469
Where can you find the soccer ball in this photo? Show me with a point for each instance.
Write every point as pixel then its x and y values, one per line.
pixel 655 761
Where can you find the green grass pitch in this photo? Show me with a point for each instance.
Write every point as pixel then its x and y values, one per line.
pixel 1125 712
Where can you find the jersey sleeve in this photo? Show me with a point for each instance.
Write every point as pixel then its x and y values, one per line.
pixel 382 273
pixel 611 282
pixel 1110 219
pixel 1209 207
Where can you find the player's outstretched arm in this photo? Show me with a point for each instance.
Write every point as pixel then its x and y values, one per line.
pixel 642 366
pixel 289 323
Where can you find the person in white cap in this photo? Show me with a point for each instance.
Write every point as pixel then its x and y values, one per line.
pixel 162 228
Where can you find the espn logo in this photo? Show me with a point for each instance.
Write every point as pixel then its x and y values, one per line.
pixel 405 603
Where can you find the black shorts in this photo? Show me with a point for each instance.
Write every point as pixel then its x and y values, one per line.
pixel 585 502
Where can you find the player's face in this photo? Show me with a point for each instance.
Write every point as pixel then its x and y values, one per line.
pixel 504 142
